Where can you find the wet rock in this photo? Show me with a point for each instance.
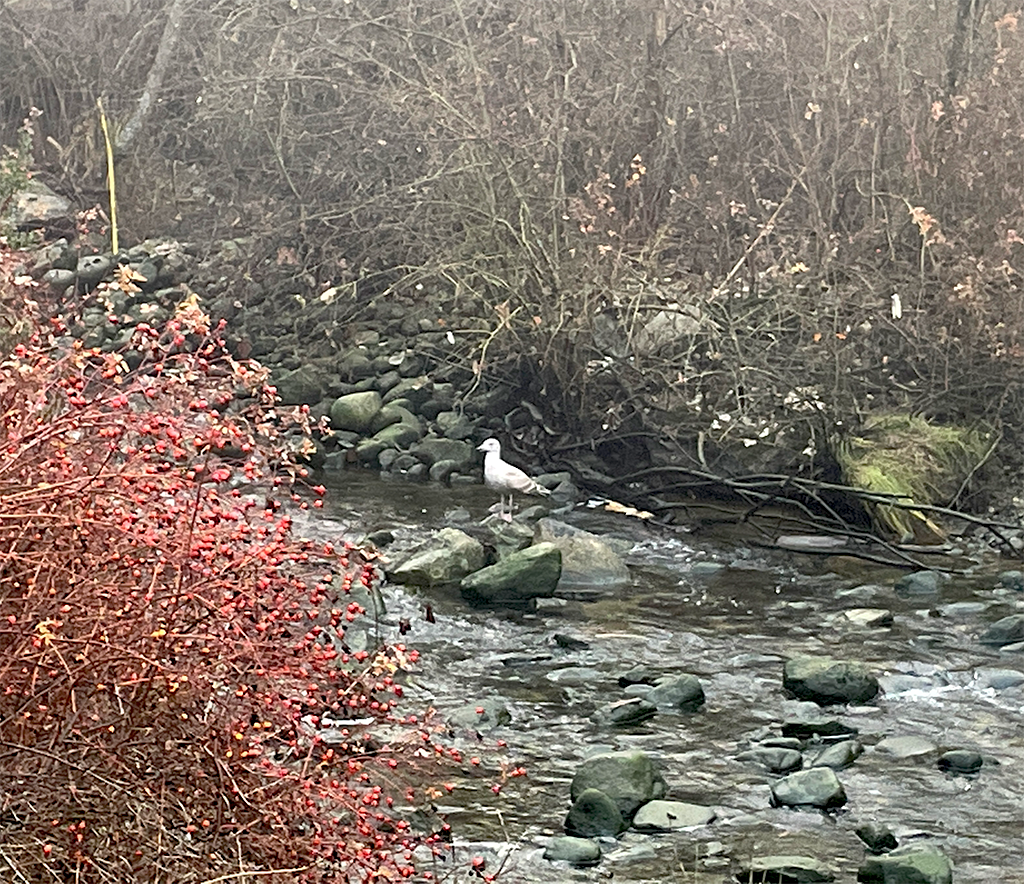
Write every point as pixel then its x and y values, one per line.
pixel 783 743
pixel 384 382
pixel 433 449
pixel 818 787
pixel 905 747
pixel 1012 580
pixel 960 761
pixel 445 558
pixel 442 470
pixel 369 451
pixel 509 537
pixel 392 414
pixel 667 816
pixel 575 851
pixel 921 583
pixel 587 560
pixel 1007 631
pixel 839 755
pixel 519 577
pixel 410 364
pixel 568 643
pixel 366 337
pixel 381 537
pixel 795 869
pixel 817 728
pixel 773 759
pixel 640 674
pixel 913 864
pixel 483 716
pixel 354 364
pixel 355 411
pixel 630 779
pixel 623 713
pixel 455 426
pixel 414 392
pixel 399 435
pixel 877 838
pixel 303 386
pixel 147 272
pixel 826 681
pixel 593 814
pixel 869 618
pixel 679 692
pixel 999 679
pixel 706 569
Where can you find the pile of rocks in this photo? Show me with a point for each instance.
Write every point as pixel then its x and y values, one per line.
pixel 389 381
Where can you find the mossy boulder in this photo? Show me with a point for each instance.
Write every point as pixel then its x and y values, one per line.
pixel 519 577
pixel 356 411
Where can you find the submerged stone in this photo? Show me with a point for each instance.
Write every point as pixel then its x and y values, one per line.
pixel 905 747
pixel 575 851
pixel 792 869
pixel 681 692
pixel 1012 580
pixel 815 728
pixel 826 681
pixel 623 713
pixel 773 758
pixel 629 778
pixel 960 761
pixel 913 864
pixel 593 813
pixel 839 755
pixel 445 558
pixel 666 816
pixel 877 838
pixel 1007 631
pixel 920 583
pixel 818 787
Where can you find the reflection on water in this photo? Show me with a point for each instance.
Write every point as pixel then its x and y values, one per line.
pixel 732 629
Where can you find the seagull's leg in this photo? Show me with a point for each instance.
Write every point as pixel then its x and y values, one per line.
pixel 506 516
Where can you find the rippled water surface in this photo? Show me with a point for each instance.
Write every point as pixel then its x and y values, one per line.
pixel 733 629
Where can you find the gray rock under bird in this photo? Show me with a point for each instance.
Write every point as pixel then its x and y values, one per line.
pixel 505 478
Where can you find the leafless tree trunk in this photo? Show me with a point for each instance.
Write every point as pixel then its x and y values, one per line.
pixel 155 79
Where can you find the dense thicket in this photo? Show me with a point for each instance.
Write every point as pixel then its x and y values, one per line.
pixel 678 211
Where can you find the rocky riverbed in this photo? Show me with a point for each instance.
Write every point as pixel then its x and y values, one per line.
pixel 726 714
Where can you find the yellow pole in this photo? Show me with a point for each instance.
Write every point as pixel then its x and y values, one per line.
pixel 110 178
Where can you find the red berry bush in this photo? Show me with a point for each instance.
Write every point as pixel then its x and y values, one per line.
pixel 170 652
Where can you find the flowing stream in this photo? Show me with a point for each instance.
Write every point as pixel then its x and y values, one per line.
pixel 733 628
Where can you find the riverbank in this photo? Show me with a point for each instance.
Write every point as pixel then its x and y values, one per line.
pixel 409 383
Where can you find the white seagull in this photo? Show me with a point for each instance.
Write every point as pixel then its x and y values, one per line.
pixel 503 477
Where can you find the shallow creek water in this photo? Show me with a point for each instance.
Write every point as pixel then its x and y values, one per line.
pixel 733 629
